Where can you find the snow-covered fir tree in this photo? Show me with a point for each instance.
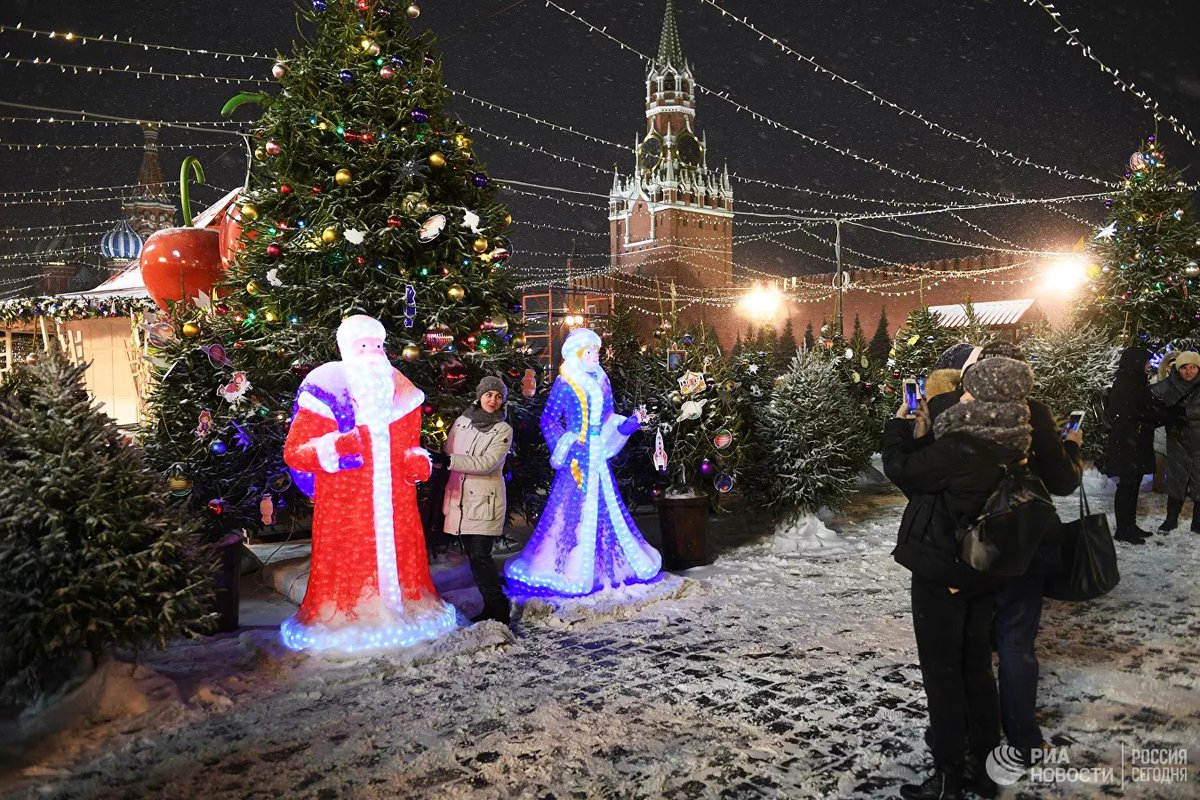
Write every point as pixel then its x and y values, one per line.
pixel 92 554
pixel 812 444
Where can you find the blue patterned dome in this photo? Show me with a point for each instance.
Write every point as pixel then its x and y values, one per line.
pixel 122 242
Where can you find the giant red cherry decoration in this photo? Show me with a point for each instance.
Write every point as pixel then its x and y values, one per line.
pixel 179 263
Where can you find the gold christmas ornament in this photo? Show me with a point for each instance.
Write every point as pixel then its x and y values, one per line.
pixel 507 220
pixel 456 292
pixel 254 288
pixel 260 154
pixel 410 353
pixel 343 177
pixel 249 211
pixel 462 141
pixel 329 235
pixel 191 329
pixel 437 160
pixel 413 11
pixel 179 485
pixel 480 244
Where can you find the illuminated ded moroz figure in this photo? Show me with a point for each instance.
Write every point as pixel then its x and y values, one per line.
pixel 353 445
pixel 586 540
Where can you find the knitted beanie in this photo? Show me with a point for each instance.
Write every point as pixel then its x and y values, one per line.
pixel 1002 348
pixel 490 383
pixel 999 412
pixel 954 357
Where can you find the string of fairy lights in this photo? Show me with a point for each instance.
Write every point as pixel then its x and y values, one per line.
pixel 528 189
pixel 856 86
pixel 1148 102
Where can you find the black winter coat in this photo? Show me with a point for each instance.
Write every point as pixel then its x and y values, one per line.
pixel 1133 414
pixel 1182 402
pixel 1059 464
pixel 946 482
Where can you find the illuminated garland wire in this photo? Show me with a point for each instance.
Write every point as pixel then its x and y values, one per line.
pixel 981 229
pixel 974 141
pixel 122 121
pixel 733 175
pixel 72 37
pixel 724 96
pixel 113 118
pixel 1148 102
pixel 76 69
pixel 59 227
pixel 76 189
pixel 28 146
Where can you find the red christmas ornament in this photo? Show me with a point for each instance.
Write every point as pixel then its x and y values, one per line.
pixel 350 136
pixel 221 309
pixel 395 221
pixel 179 263
pixel 360 260
pixel 316 190
pixel 274 250
pixel 285 189
pixel 366 138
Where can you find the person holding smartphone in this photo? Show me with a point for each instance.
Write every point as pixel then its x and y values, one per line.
pixel 947 471
pixel 1180 393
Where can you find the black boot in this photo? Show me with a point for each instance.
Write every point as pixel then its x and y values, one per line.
pixel 498 613
pixel 976 779
pixel 1172 521
pixel 943 784
pixel 1132 535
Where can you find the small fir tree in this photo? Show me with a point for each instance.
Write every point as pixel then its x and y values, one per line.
pixel 974 331
pixel 810 340
pixel 1071 367
pixel 1148 281
pixel 812 439
pixel 881 343
pixel 705 428
pixel 785 348
pixel 917 347
pixel 92 556
pixel 858 339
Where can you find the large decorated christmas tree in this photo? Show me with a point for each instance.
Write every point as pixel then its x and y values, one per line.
pixel 1148 278
pixel 365 197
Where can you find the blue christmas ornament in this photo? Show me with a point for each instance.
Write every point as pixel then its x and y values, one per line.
pixel 217 448
pixel 346 75
pixel 319 6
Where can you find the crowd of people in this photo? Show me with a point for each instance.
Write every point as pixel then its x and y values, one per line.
pixel 975 423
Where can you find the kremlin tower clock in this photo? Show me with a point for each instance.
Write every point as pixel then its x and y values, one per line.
pixel 671 220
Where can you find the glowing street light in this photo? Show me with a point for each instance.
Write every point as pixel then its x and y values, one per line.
pixel 1066 275
pixel 761 302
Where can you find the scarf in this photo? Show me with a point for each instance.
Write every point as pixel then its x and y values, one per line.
pixel 481 420
pixel 1005 425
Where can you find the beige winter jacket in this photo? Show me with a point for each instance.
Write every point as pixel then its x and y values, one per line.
pixel 475 494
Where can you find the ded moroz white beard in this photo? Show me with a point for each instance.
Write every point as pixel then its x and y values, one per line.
pixel 372 389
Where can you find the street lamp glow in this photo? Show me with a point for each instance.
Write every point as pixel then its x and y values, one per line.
pixel 1066 274
pixel 761 301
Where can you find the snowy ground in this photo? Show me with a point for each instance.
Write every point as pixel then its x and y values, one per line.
pixel 776 672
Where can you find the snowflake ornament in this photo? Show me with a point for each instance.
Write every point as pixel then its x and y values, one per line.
pixel 355 236
pixel 273 277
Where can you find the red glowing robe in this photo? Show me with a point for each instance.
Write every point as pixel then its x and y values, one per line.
pixel 345 569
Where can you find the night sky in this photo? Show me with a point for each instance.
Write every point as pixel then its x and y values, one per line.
pixel 990 69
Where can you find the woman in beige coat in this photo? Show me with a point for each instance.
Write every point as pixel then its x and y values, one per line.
pixel 474 503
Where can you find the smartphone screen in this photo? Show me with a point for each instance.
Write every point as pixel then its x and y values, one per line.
pixel 1075 420
pixel 910 395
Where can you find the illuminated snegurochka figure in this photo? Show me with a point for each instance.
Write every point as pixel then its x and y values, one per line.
pixel 585 541
pixel 353 444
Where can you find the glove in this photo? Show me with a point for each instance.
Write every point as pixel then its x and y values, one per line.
pixel 440 460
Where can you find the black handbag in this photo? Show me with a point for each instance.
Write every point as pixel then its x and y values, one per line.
pixel 1089 558
pixel 1004 537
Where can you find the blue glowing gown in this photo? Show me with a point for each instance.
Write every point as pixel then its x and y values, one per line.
pixel 585 540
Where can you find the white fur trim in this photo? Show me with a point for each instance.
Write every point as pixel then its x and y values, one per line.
pixel 411 399
pixel 308 402
pixel 559 457
pixel 326 448
pixel 611 436
pixel 359 326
